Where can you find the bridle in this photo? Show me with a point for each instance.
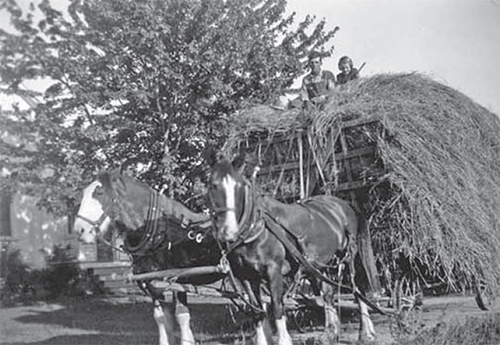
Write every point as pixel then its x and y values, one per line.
pixel 96 225
pixel 249 225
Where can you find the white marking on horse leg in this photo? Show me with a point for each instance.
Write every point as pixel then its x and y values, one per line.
pixel 187 337
pixel 260 336
pixel 230 223
pixel 164 323
pixel 366 330
pixel 332 319
pixel 332 323
pixel 283 335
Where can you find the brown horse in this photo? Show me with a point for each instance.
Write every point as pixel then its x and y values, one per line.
pixel 159 233
pixel 266 240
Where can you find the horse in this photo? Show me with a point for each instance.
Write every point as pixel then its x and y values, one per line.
pixel 159 233
pixel 266 240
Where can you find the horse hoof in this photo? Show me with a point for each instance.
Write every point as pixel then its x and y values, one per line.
pixel 366 338
pixel 329 337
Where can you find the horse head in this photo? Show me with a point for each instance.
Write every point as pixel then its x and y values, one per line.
pixel 91 220
pixel 227 192
pixel 110 196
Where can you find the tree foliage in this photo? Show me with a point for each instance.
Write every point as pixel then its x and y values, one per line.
pixel 148 82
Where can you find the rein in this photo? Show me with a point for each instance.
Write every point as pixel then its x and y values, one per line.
pixel 96 226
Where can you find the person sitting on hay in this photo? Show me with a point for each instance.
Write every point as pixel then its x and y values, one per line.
pixel 318 84
pixel 348 72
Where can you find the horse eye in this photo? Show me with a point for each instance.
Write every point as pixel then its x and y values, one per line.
pixel 98 192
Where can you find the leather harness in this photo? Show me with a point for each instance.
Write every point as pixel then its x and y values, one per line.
pixel 255 215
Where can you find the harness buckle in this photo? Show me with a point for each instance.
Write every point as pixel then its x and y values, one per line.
pixel 224 265
pixel 199 237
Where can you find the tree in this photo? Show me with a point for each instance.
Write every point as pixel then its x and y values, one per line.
pixel 149 82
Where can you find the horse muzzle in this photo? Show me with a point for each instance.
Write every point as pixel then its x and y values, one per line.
pixel 224 234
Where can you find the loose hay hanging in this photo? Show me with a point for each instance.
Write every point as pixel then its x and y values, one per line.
pixel 429 179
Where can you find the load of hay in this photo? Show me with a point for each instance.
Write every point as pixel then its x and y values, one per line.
pixel 430 186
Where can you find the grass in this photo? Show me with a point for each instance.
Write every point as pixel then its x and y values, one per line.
pixel 474 330
pixel 130 321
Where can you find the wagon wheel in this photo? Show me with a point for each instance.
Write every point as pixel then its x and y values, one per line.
pixel 485 297
pixel 407 295
pixel 305 319
pixel 407 302
pixel 306 315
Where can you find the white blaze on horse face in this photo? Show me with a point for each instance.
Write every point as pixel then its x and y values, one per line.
pixel 229 231
pixel 90 209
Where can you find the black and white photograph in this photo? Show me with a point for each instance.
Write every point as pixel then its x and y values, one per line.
pixel 250 172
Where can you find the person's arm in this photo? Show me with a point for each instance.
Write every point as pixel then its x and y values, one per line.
pixel 354 74
pixel 304 95
pixel 331 81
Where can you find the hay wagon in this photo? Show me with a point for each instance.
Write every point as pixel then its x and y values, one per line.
pixel 419 159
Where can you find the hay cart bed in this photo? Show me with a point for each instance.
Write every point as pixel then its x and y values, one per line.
pixel 419 159
pixel 303 309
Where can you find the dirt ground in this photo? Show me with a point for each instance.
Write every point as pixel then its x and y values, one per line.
pixel 128 320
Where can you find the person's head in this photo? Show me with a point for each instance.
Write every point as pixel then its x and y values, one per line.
pixel 345 64
pixel 315 62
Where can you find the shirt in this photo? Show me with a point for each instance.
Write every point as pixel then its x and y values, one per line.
pixel 315 86
pixel 344 78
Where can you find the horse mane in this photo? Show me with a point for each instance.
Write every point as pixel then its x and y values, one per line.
pixel 129 190
pixel 118 183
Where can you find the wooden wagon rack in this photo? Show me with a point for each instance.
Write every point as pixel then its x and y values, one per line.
pixel 294 166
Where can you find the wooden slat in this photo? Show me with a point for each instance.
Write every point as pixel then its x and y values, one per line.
pixel 275 168
pixel 339 156
pixel 178 272
pixel 351 185
pixel 359 122
pixel 355 153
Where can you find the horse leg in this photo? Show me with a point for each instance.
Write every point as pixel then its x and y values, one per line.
pixel 164 322
pixel 262 329
pixel 366 329
pixel 276 289
pixel 332 321
pixel 183 318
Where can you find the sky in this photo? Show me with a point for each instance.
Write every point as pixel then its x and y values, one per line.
pixel 455 42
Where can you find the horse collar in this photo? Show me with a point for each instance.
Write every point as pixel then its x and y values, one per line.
pixel 150 240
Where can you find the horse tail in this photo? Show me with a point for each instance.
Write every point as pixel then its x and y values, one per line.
pixel 365 252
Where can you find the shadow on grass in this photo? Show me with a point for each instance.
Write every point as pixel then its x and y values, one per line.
pixel 128 321
pixel 101 321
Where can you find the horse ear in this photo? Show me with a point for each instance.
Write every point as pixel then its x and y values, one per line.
pixel 211 156
pixel 239 161
pixel 104 178
pixel 119 183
